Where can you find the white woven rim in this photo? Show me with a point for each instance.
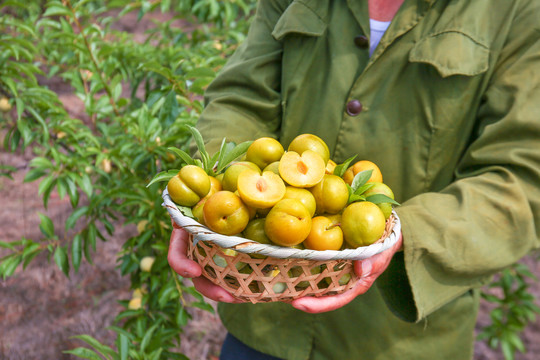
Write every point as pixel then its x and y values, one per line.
pixel 244 245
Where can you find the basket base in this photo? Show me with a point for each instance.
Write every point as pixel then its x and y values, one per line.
pixel 268 279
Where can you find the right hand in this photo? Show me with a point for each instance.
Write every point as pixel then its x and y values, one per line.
pixel 185 267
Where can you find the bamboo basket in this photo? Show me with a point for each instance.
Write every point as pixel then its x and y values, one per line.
pixel 260 273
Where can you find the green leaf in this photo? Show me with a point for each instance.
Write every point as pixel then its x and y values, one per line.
pixel 183 155
pixel 84 353
pixel 380 199
pixel 76 252
pixel 9 265
pixel 201 72
pixel 123 347
pixel 204 306
pixel 507 350
pixel 231 155
pixel 86 185
pixel 57 10
pixel 360 179
pixel 46 226
pixel 170 109
pixel 200 146
pixel 182 317
pixel 362 189
pixel 101 348
pixel 163 176
pixel 46 184
pixel 61 259
pixel 186 211
pixel 148 336
pixel 7 245
pixel 75 215
pixel 355 197
pixel 342 168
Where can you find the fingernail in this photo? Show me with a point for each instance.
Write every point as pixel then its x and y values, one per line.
pixel 366 267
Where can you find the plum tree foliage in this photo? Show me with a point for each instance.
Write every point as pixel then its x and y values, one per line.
pixel 140 95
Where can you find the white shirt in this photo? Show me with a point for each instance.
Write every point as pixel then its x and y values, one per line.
pixel 378 29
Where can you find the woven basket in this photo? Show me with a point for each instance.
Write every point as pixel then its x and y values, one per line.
pixel 265 273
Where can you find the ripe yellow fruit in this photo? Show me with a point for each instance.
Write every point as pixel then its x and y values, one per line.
pixel 5 106
pixel 363 165
pixel 264 151
pixel 135 304
pixel 225 213
pixel 362 223
pixel 189 186
pixel 331 194
pixel 146 263
pixel 288 223
pixel 302 170
pixel 311 142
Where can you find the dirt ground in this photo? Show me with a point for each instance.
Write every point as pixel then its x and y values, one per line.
pixel 40 309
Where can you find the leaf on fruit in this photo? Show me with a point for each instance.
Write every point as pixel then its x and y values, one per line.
pixel 362 189
pixel 186 211
pixel 380 199
pixel 231 152
pixel 183 155
pixel 163 176
pixel 342 168
pixel 355 197
pixel 360 179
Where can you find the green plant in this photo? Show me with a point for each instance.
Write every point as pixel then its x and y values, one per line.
pixel 514 310
pixel 139 99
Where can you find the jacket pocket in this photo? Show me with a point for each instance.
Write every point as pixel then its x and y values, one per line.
pixel 451 53
pixel 300 19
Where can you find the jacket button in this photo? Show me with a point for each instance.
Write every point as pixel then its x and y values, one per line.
pixel 354 107
pixel 361 41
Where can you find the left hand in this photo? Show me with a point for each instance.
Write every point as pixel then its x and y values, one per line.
pixel 368 271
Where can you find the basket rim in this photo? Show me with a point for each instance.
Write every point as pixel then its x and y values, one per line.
pixel 202 233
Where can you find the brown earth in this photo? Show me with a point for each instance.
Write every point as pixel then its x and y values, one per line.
pixel 41 309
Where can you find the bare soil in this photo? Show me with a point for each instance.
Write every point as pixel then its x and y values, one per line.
pixel 41 310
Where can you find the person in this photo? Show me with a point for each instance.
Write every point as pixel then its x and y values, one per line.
pixel 447 104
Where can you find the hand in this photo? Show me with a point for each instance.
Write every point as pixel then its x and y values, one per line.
pixel 185 267
pixel 368 270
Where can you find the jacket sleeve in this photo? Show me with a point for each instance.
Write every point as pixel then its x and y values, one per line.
pixel 244 102
pixel 489 218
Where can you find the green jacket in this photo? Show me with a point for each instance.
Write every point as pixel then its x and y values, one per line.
pixel 449 107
